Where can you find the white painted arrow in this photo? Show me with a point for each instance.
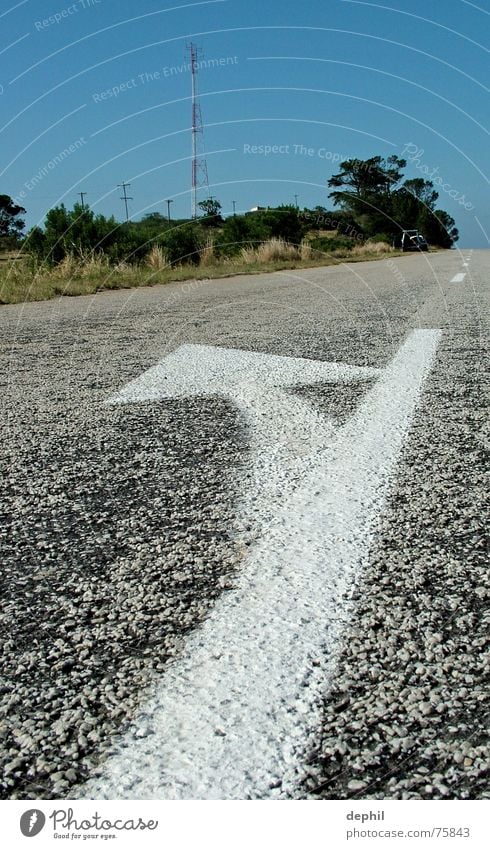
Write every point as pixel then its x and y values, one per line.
pixel 231 717
pixel 283 429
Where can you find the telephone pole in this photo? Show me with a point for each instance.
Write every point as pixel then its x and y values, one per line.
pixel 82 195
pixel 168 210
pixel 125 197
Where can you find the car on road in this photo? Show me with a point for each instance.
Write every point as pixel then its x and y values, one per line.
pixel 412 240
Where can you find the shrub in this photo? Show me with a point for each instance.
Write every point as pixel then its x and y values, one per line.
pixel 281 223
pixel 381 237
pixel 238 232
pixel 329 245
pixel 182 244
pixel 255 228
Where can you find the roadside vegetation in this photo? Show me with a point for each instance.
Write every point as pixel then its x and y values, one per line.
pixel 79 252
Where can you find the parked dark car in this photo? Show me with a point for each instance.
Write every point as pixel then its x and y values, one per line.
pixel 412 240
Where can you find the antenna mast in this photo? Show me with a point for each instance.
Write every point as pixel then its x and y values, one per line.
pixel 199 164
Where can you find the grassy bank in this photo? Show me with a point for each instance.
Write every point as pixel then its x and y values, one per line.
pixel 21 279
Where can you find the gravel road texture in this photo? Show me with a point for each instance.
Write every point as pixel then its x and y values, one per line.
pixel 118 527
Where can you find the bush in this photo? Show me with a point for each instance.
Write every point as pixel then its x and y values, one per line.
pixel 336 243
pixel 182 244
pixel 238 232
pixel 387 238
pixel 255 228
pixel 281 223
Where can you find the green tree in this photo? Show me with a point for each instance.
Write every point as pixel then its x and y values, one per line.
pixel 360 180
pixel 56 243
pixel 438 227
pixel 365 189
pixel 11 224
pixel 414 208
pixel 370 192
pixel 411 201
pixel 80 232
pixel 422 190
pixel 35 242
pixel 211 209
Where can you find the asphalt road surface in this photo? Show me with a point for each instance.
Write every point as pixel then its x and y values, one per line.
pixel 156 522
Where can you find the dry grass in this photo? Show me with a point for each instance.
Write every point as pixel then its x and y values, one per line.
pixel 29 280
pixel 81 267
pixel 25 279
pixel 157 259
pixel 207 254
pixel 368 250
pixel 372 248
pixel 306 251
pixel 274 250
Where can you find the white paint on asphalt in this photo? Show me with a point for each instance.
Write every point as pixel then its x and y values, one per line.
pixel 283 429
pixel 230 719
pixel 206 370
pixel 458 278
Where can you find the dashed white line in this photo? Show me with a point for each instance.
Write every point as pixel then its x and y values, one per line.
pixel 458 278
pixel 230 719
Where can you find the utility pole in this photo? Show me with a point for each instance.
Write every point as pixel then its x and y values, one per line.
pixel 125 197
pixel 199 165
pixel 234 207
pixel 82 195
pixel 168 210
pixel 296 201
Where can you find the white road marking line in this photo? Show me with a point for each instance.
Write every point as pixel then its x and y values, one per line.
pixel 231 717
pixel 282 427
pixel 207 370
pixel 458 278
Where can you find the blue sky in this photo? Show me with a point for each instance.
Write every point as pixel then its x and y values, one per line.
pixel 314 82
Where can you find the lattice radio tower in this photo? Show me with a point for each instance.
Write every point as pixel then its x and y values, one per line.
pixel 199 164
